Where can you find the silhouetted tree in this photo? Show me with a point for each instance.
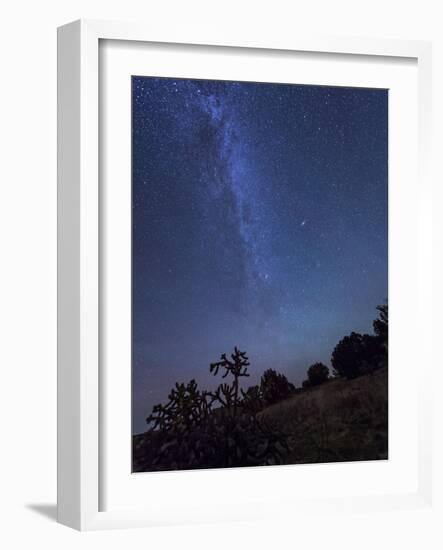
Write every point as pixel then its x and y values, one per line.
pixel 348 356
pixel 357 354
pixel 381 324
pixel 275 387
pixel 317 374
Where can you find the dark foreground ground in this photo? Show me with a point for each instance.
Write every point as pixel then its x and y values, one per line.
pixel 341 420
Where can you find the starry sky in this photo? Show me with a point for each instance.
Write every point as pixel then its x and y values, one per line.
pixel 260 216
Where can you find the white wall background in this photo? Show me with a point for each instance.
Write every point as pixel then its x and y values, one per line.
pixel 28 267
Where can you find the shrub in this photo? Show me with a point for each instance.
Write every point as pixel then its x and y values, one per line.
pixel 275 387
pixel 317 374
pixel 252 400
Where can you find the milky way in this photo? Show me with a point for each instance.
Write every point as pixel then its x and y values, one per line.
pixel 259 220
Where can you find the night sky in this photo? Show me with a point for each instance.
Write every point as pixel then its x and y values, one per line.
pixel 259 220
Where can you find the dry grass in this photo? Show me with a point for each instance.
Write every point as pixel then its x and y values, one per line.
pixel 341 420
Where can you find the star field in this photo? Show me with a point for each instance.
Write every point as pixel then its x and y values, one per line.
pixel 259 220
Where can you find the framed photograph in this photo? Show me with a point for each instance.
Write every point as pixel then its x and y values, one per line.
pixel 244 266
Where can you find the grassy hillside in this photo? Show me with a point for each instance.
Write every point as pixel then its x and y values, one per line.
pixel 341 420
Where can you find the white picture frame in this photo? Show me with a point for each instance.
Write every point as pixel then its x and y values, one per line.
pixel 79 259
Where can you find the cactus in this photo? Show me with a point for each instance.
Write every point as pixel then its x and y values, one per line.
pixel 238 367
pixel 201 429
pixel 186 408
